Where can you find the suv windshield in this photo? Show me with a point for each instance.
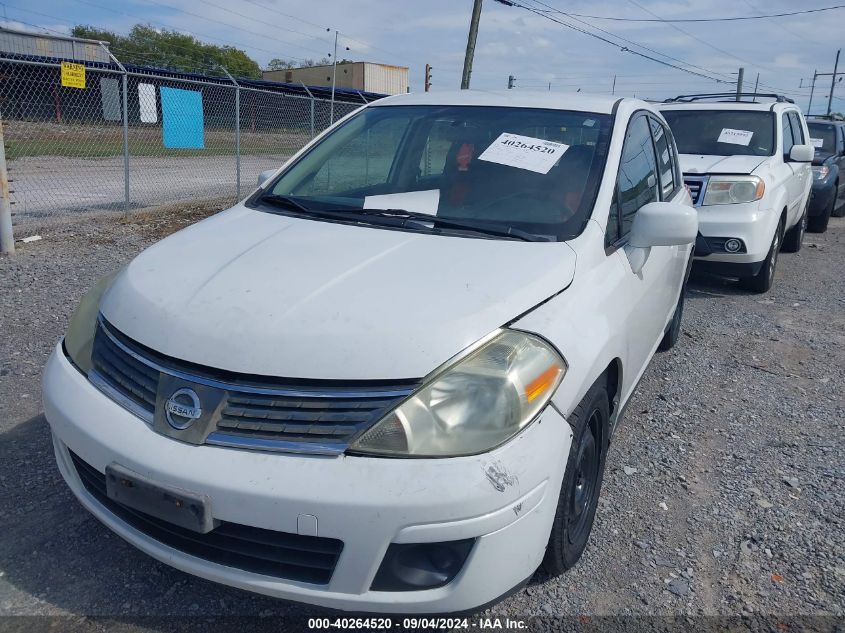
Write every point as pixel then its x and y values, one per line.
pixel 458 170
pixel 822 136
pixel 722 132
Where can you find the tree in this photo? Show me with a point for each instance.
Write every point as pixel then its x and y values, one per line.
pixel 146 45
pixel 285 64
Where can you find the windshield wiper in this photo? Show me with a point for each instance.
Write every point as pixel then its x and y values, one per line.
pixel 402 218
pixel 284 201
pixel 449 223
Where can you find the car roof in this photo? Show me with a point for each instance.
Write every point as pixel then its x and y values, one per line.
pixel 824 121
pixel 749 106
pixel 578 102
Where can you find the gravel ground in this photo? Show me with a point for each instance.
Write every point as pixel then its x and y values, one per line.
pixel 724 492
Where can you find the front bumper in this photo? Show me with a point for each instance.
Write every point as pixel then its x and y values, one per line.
pixel 368 503
pixel 748 222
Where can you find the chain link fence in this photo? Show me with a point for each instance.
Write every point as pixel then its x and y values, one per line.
pixel 132 139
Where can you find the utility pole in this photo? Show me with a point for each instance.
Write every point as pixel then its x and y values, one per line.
pixel 833 82
pixel 473 35
pixel 427 77
pixel 511 79
pixel 739 83
pixel 756 83
pixel 613 89
pixel 812 89
pixel 334 78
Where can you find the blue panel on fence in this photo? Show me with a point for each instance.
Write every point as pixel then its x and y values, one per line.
pixel 181 112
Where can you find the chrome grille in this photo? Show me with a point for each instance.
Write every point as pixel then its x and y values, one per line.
pixel 311 416
pixel 697 185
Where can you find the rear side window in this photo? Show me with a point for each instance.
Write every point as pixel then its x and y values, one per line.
pixel 786 131
pixel 797 129
pixel 665 159
pixel 637 183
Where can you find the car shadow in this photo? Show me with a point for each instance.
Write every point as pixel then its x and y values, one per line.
pixel 703 285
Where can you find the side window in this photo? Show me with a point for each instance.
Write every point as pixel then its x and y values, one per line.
pixel 637 181
pixel 665 160
pixel 612 233
pixel 786 129
pixel 797 130
pixel 840 145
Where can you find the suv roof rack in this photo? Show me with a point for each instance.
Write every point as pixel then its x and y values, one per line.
pixel 728 97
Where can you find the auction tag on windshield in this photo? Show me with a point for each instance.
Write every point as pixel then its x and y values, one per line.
pixel 735 137
pixel 817 142
pixel 524 152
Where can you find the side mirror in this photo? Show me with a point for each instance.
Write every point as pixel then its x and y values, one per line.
pixel 265 175
pixel 802 153
pixel 660 224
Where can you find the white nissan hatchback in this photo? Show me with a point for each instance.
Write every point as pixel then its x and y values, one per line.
pixel 387 380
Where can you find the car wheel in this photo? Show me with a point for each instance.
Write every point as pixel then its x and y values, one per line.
pixel 670 337
pixel 839 211
pixel 579 492
pixel 762 281
pixel 795 236
pixel 819 223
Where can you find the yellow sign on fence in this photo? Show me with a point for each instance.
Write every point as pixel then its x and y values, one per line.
pixel 73 75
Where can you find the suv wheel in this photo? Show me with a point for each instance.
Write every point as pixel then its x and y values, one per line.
pixel 762 281
pixel 795 236
pixel 818 224
pixel 579 492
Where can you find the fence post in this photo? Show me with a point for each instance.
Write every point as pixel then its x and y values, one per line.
pixel 125 127
pixel 310 96
pixel 237 133
pixel 7 236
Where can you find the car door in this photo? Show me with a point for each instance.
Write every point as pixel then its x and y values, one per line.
pixel 800 136
pixel 649 296
pixel 792 181
pixel 840 158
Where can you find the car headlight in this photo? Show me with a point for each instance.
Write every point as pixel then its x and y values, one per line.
pixel 820 172
pixel 79 339
pixel 474 405
pixel 733 190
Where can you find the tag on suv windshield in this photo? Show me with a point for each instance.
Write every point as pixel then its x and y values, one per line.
pixel 817 142
pixel 735 137
pixel 524 152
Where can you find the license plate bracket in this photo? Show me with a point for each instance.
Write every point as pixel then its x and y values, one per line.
pixel 168 503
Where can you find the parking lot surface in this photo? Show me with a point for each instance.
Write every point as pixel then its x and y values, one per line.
pixel 724 492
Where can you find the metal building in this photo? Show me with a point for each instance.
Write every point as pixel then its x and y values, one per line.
pixel 26 44
pixel 364 76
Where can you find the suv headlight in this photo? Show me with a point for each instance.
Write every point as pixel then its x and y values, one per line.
pixel 820 172
pixel 474 405
pixel 733 190
pixel 79 338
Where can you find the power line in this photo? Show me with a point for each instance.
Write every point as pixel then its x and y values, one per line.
pixel 729 19
pixel 624 49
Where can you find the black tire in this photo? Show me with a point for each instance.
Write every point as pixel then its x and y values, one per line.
pixel 819 223
pixel 762 281
pixel 579 492
pixel 839 211
pixel 673 332
pixel 795 236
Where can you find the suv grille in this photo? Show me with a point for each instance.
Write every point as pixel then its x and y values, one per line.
pixel 697 185
pixel 316 416
pixel 278 554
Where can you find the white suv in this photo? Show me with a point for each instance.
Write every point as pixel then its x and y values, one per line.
pixel 747 165
pixel 386 381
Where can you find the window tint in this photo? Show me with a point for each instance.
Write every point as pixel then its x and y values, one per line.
pixel 822 136
pixel 637 181
pixel 797 130
pixel 787 135
pixel 699 131
pixel 665 160
pixel 612 233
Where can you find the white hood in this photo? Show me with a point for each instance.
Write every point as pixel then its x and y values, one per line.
pixel 271 295
pixel 698 164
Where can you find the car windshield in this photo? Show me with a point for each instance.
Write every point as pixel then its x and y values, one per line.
pixel 459 170
pixel 822 136
pixel 722 132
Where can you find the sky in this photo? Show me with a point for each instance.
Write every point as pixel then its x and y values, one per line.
pixel 539 53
